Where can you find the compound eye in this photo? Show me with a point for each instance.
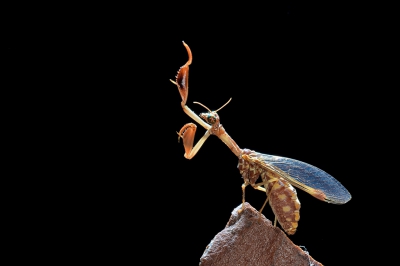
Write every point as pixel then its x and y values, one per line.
pixel 211 119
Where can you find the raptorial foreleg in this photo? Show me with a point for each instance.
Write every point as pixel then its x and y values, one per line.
pixel 187 134
pixel 182 82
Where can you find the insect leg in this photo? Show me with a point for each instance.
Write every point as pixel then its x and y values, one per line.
pixel 258 187
pixel 187 133
pixel 245 184
pixel 182 82
pixel 266 200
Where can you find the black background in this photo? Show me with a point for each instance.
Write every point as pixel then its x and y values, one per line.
pixel 290 89
pixel 295 72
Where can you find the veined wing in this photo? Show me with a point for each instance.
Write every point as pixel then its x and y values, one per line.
pixel 309 178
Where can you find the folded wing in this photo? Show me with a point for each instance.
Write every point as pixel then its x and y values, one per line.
pixel 309 178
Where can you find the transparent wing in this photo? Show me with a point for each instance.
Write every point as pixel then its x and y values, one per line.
pixel 308 178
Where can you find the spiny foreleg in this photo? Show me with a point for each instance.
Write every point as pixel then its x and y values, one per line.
pixel 182 82
pixel 187 134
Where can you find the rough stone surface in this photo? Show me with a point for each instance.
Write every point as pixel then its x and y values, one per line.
pixel 250 240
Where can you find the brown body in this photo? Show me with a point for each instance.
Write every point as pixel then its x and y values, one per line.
pixel 275 182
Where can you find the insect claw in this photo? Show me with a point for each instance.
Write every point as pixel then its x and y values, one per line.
pixel 182 78
pixel 187 133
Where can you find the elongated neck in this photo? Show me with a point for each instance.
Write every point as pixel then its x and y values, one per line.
pixel 228 141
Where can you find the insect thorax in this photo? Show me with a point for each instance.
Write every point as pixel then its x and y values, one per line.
pixel 250 172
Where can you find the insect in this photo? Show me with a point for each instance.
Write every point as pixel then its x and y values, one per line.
pixel 278 174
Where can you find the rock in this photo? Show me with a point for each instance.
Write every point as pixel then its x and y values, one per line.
pixel 249 239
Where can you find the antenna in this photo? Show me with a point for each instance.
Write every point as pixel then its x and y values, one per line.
pixel 209 109
pixel 203 106
pixel 224 104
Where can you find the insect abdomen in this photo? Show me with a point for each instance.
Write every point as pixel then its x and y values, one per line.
pixel 282 195
pixel 285 205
